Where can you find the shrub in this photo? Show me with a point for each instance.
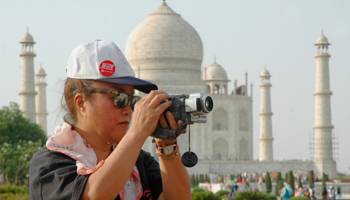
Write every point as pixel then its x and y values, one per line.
pixel 291 181
pixel 14 189
pixel 311 178
pixel 271 197
pixel 11 196
pixel 277 188
pixel 249 195
pixel 323 180
pixel 268 183
pixel 193 181
pixel 220 193
pixel 300 197
pixel 205 195
pixel 195 190
pixel 300 185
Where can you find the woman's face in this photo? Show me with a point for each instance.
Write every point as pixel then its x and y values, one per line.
pixel 103 118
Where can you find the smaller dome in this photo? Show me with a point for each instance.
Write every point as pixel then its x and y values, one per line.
pixel 215 72
pixel 265 73
pixel 27 38
pixel 40 72
pixel 322 40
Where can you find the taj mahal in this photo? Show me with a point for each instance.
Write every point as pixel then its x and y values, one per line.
pixel 166 50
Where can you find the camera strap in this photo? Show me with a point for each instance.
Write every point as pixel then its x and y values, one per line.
pixel 189 159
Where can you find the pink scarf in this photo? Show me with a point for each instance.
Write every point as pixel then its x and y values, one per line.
pixel 69 142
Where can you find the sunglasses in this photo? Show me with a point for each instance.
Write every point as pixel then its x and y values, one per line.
pixel 121 99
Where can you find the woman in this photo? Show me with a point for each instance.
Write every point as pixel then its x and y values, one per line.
pixel 95 154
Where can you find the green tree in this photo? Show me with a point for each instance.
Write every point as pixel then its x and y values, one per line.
pixel 268 183
pixel 201 178
pixel 14 127
pixel 196 180
pixel 207 178
pixel 193 181
pixel 323 180
pixel 311 177
pixel 291 181
pixel 280 184
pixel 300 185
pixel 15 160
pixel 19 140
pixel 277 188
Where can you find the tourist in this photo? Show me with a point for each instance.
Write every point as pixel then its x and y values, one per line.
pixel 306 193
pixel 331 193
pixel 286 192
pixel 324 193
pixel 297 192
pixel 95 154
pixel 312 192
pixel 338 193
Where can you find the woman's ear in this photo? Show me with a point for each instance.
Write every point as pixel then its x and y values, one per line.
pixel 79 103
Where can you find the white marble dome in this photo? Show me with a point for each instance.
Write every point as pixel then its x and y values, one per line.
pixel 265 73
pixel 322 40
pixel 27 38
pixel 215 72
pixel 165 47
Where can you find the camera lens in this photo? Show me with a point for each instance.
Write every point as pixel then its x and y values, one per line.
pixel 208 103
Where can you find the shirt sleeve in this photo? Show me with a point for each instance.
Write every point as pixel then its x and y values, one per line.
pixel 53 175
pixel 153 174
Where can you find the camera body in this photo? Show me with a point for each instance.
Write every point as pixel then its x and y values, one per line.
pixel 190 108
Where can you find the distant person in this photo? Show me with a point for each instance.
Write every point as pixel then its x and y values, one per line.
pixel 324 193
pixel 338 193
pixel 331 193
pixel 297 192
pixel 230 196
pixel 236 188
pixel 312 192
pixel 306 193
pixel 286 192
pixel 247 184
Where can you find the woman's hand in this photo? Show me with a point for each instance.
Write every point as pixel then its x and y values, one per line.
pixel 148 111
pixel 173 125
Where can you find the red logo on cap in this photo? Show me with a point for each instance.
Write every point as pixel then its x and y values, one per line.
pixel 107 68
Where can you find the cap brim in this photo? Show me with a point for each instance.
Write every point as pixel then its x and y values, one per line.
pixel 142 85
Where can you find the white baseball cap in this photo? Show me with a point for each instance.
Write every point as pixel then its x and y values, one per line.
pixel 103 61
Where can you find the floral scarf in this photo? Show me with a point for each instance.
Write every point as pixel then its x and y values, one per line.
pixel 69 142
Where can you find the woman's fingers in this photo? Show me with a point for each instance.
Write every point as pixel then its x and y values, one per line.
pixel 179 123
pixel 162 122
pixel 171 119
pixel 153 94
pixel 157 99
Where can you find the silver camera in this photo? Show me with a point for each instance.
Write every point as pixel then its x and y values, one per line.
pixel 190 108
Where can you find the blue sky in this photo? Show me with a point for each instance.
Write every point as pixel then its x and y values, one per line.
pixel 245 36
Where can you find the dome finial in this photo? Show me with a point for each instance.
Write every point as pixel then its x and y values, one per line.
pixel 322 31
pixel 27 29
pixel 214 58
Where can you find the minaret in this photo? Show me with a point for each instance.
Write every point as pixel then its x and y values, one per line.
pixel 266 148
pixel 27 91
pixel 40 101
pixel 324 162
